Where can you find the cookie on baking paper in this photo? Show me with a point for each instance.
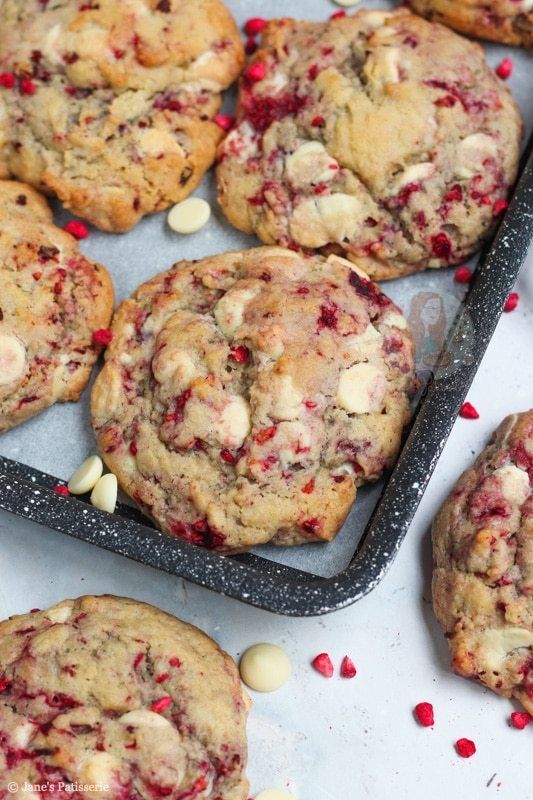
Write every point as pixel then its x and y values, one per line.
pixel 52 300
pixel 380 136
pixel 111 105
pixel 483 577
pixel 125 699
pixel 247 395
pixel 507 21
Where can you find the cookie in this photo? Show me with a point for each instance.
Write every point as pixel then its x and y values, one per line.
pixel 380 137
pixel 507 21
pixel 247 395
pixel 483 577
pixel 52 300
pixel 118 696
pixel 111 106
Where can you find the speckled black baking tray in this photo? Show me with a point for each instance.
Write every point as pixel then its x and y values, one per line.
pixel 282 589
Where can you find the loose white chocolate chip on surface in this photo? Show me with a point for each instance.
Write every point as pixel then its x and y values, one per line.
pixel 86 476
pixel 274 794
pixel 346 3
pixel 12 359
pixel 189 216
pixel 233 425
pixel 265 667
pixel 361 389
pixel 104 494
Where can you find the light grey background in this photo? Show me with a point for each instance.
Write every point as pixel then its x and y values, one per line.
pixel 320 739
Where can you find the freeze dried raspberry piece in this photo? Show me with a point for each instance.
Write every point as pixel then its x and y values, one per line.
pixel 463 275
pixel 511 303
pixel 323 664
pixel 424 714
pixel 521 719
pixel 468 411
pixel 306 168
pixel 465 748
pixel 348 669
pixel 103 336
pixel 504 69
pixel 77 229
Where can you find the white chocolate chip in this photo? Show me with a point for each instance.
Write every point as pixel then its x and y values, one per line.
pixel 339 213
pixel 274 794
pixel 233 425
pixel 395 320
pixel 287 399
pixel 12 359
pixel 22 733
pixel 229 311
pixel 173 362
pixel 86 476
pixel 384 67
pixel 155 142
pixel 346 3
pixel 58 614
pixel 310 163
pixel 333 259
pixel 514 483
pixel 344 469
pixel 99 769
pixel 375 19
pixel 497 643
pixel 189 216
pixel 472 152
pixel 414 174
pixel 265 667
pixel 104 494
pixel 143 718
pixel 361 389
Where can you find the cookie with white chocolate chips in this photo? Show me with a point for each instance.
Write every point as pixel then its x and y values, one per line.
pixel 380 137
pixel 125 699
pixel 483 577
pixel 52 300
pixel 111 105
pixel 247 395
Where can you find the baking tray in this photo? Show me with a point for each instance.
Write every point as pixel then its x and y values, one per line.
pixel 307 580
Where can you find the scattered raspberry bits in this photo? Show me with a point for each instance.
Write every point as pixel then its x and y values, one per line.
pixel 77 229
pixel 27 87
pixel 338 15
pixel 224 121
pixel 158 706
pixel 348 669
pixel 520 719
pixel 511 302
pixel 256 72
pixel 504 69
pixel 463 275
pixel 465 748
pixel 468 411
pixel 7 80
pixel 499 207
pixel 62 490
pixel 424 714
pixel 255 25
pixel 323 664
pixel 103 337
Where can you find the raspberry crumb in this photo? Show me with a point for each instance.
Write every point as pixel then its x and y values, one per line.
pixel 309 487
pixel 511 302
pixel 468 411
pixel 62 490
pixel 323 664
pixel 255 25
pixel 463 275
pixel 250 47
pixel 520 719
pixel 424 714
pixel 499 207
pixel 27 87
pixel 465 747
pixel 227 456
pixel 163 677
pixel 224 121
pixel 158 706
pixel 77 229
pixel 7 80
pixel 103 337
pixel 239 354
pixel 441 246
pixel 256 72
pixel 348 669
pixel 504 69
pixel 338 15
pixel 265 434
pixel 318 121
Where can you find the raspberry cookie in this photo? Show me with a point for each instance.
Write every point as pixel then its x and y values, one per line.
pixel 246 396
pixel 110 105
pixel 123 698
pixel 483 578
pixel 508 21
pixel 52 300
pixel 379 136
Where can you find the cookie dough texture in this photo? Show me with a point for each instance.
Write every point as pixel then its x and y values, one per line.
pixel 52 299
pixel 247 395
pixel 507 21
pixel 380 137
pixel 119 122
pixel 483 577
pixel 79 685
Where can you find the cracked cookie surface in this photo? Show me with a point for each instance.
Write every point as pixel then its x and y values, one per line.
pixel 110 692
pixel 247 395
pixel 380 137
pixel 483 576
pixel 111 105
pixel 52 300
pixel 507 21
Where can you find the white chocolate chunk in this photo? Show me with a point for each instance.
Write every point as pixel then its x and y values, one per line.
pixel 414 174
pixel 58 614
pixel 233 425
pixel 143 718
pixel 361 389
pixel 189 216
pixel 346 3
pixel 310 163
pixel 86 476
pixel 12 359
pixel 274 794
pixel 306 225
pixel 514 483
pixel 173 362
pixel 23 733
pixel 497 643
pixel 384 67
pixel 287 399
pixel 155 142
pixel 333 259
pixel 265 667
pixel 229 311
pixel 395 320
pixel 104 494
pixel 99 769
pixel 472 152
pixel 344 469
pixel 339 214
pixel 375 19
